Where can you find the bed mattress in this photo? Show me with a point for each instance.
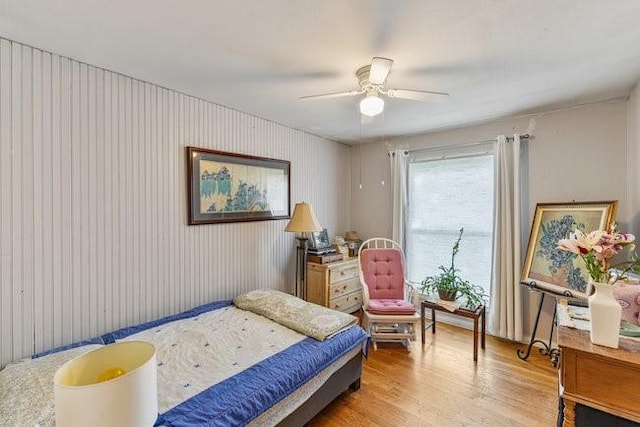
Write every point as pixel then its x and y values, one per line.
pixel 218 365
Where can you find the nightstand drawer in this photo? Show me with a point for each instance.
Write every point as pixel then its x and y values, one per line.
pixel 339 289
pixel 347 303
pixel 344 273
pixel 328 285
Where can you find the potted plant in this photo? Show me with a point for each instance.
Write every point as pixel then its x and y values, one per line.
pixel 450 286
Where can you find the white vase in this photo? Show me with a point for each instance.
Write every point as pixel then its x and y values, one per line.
pixel 605 313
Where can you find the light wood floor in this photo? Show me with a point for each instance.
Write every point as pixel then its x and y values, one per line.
pixel 439 385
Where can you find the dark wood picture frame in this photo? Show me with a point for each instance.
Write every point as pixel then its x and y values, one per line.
pixel 555 270
pixel 228 187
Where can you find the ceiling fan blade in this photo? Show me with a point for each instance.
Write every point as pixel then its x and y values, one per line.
pixel 379 71
pixel 417 95
pixel 333 95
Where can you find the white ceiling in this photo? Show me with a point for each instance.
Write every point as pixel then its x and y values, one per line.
pixel 496 58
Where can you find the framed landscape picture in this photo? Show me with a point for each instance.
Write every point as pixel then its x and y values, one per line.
pixel 556 270
pixel 228 187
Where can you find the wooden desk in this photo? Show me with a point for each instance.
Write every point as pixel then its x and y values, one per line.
pixel 476 314
pixel 600 377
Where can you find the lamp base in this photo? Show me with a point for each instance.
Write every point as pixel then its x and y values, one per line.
pixel 301 267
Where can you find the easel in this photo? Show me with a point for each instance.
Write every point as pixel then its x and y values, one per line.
pixel 546 349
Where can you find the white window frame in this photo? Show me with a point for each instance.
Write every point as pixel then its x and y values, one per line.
pixel 445 153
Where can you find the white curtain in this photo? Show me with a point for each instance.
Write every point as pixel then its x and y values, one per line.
pixel 399 159
pixel 505 313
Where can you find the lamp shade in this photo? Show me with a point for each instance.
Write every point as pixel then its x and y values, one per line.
pixel 115 385
pixel 303 219
pixel 371 105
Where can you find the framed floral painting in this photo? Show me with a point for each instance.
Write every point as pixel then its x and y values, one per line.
pixel 555 270
pixel 229 187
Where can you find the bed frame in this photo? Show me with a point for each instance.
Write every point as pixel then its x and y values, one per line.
pixel 347 377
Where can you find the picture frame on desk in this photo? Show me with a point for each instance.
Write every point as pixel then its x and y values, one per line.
pixel 319 242
pixel 554 270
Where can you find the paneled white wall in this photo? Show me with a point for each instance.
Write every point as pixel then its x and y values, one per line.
pixel 93 232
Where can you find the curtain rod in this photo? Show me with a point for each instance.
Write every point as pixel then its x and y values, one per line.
pixel 468 144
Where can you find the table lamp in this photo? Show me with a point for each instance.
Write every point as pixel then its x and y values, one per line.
pixel 115 385
pixel 302 221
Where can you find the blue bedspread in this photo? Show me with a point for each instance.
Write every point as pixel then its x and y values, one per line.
pixel 241 398
pixel 111 337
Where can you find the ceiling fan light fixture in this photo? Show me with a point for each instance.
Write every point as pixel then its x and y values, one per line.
pixel 371 105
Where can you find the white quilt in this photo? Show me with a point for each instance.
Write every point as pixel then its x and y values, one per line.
pixel 26 389
pixel 192 354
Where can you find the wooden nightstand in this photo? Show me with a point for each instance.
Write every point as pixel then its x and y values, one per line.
pixel 335 285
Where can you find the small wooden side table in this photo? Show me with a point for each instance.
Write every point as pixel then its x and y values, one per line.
pixel 477 315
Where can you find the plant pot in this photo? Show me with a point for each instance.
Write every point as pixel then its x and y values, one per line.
pixel 447 295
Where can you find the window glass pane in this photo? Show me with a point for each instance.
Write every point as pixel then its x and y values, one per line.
pixel 444 196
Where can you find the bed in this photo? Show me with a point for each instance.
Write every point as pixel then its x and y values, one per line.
pixel 266 358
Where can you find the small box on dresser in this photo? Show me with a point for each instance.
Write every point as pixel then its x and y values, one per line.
pixel 335 285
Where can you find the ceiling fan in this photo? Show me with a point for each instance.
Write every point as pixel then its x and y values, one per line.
pixel 372 80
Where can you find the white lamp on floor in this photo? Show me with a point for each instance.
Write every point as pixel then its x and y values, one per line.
pixel 302 221
pixel 115 385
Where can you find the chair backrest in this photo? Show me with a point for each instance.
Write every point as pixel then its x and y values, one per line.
pixel 381 269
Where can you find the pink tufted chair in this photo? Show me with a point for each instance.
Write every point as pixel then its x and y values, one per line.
pixel 389 300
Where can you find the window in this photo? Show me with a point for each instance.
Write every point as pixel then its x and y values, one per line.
pixel 446 194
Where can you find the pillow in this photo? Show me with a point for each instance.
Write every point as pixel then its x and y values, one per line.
pixel 628 296
pixel 307 318
pixel 26 388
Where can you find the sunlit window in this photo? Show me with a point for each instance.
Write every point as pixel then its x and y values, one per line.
pixel 446 194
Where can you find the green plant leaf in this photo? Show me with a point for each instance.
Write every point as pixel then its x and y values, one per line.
pixel 448 281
